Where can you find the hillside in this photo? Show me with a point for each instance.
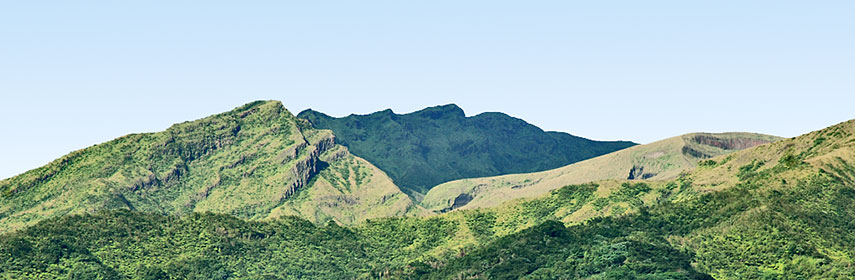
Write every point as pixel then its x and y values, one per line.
pixel 255 162
pixel 784 210
pixel 660 160
pixel 422 149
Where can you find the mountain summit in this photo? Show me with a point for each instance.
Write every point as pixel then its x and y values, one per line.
pixel 438 144
pixel 257 161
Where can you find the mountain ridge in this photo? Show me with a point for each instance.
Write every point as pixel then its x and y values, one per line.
pixel 248 162
pixel 424 148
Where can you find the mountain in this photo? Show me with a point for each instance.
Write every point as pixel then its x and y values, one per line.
pixel 422 149
pixel 257 161
pixel 660 160
pixel 782 210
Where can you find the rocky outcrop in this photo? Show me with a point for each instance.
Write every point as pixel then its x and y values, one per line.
pixel 692 152
pixel 291 153
pixel 705 145
pixel 335 201
pixel 637 172
pixel 323 141
pixel 459 201
pixel 306 167
pixel 735 143
pixel 334 154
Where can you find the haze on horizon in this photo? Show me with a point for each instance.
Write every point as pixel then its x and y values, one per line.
pixel 74 75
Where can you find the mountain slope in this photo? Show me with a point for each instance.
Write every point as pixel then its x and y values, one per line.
pixel 249 162
pixel 422 149
pixel 348 190
pixel 783 210
pixel 663 159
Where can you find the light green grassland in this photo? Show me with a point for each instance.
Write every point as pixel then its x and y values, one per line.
pixel 660 160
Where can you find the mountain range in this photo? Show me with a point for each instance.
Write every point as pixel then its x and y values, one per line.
pixel 258 193
pixel 425 148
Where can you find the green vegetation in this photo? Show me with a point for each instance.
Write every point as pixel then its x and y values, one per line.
pixel 439 144
pixel 707 163
pixel 779 211
pixel 251 162
pixel 120 244
pixel 752 230
pixel 132 245
pixel 748 171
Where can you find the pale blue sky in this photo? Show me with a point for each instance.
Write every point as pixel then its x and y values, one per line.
pixel 77 73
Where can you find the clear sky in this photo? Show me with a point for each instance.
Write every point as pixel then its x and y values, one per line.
pixel 77 73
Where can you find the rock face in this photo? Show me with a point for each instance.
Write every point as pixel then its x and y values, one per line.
pixel 305 168
pixel 637 172
pixel 725 143
pixel 708 145
pixel 246 162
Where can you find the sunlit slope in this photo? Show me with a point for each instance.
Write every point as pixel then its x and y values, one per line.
pixel 664 159
pixel 249 162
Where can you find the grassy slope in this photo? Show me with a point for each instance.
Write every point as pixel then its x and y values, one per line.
pixel 422 149
pixel 660 160
pixel 784 210
pixel 248 162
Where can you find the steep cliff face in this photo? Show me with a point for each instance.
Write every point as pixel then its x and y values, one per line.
pixel 306 167
pixel 732 143
pixel 708 145
pixel 245 162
